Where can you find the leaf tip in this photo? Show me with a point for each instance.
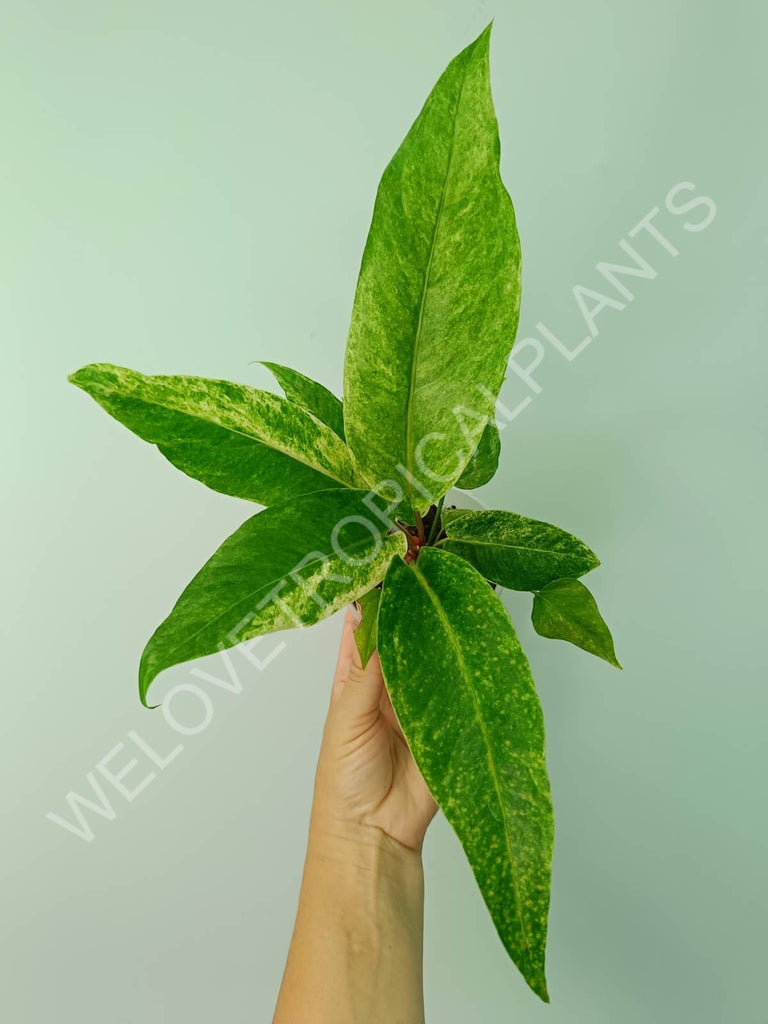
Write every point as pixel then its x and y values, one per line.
pixel 593 562
pixel 483 41
pixel 92 374
pixel 146 678
pixel 538 984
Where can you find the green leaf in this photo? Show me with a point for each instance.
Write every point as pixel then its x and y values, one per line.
pixel 247 443
pixel 365 632
pixel 450 514
pixel 310 395
pixel 485 459
pixel 290 565
pixel 463 693
pixel 438 296
pixel 516 552
pixel 565 610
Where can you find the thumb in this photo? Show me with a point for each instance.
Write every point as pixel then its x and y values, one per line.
pixel 363 687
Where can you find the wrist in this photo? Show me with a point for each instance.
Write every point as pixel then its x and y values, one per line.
pixel 356 846
pixel 371 880
pixel 368 891
pixel 363 893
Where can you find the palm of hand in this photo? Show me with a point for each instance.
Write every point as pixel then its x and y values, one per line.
pixel 366 774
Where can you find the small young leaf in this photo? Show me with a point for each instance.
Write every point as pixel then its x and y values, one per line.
pixel 365 633
pixel 463 693
pixel 516 552
pixel 565 610
pixel 235 439
pixel 310 395
pixel 290 565
pixel 485 460
pixel 438 296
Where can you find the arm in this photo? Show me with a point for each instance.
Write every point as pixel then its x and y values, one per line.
pixel 356 952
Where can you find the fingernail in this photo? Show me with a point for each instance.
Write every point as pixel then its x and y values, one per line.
pixel 354 612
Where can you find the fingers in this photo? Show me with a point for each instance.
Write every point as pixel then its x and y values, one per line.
pixel 360 691
pixel 347 648
pixel 361 694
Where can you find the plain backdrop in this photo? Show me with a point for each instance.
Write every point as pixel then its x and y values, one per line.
pixel 186 187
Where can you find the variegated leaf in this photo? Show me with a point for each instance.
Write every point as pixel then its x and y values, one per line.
pixel 517 552
pixel 290 565
pixel 438 296
pixel 485 460
pixel 566 610
pixel 243 442
pixel 312 396
pixel 463 693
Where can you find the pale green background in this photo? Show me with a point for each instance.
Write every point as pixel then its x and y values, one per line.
pixel 186 187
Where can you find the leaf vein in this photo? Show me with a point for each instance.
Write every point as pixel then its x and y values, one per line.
pixel 453 640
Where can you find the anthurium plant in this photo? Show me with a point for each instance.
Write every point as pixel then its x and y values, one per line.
pixel 355 501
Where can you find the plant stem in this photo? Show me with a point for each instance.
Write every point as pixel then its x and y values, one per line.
pixel 419 526
pixel 436 522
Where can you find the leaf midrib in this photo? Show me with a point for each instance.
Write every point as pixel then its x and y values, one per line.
pixel 453 640
pixel 509 547
pixel 242 433
pixel 423 299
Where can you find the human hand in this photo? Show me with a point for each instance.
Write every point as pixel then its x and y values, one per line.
pixel 367 781
pixel 357 947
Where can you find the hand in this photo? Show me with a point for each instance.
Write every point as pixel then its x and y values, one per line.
pixel 367 780
pixel 356 951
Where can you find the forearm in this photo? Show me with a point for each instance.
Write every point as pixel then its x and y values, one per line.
pixel 356 953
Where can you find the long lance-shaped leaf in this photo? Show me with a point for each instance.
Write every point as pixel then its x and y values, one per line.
pixel 243 442
pixel 311 395
pixel 485 460
pixel 290 565
pixel 517 552
pixel 462 690
pixel 565 610
pixel 438 297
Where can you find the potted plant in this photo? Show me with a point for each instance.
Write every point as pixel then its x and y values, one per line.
pixel 354 497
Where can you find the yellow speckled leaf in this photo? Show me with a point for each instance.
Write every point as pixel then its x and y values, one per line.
pixel 517 552
pixel 235 439
pixel 485 460
pixel 438 296
pixel 565 610
pixel 310 395
pixel 290 565
pixel 463 693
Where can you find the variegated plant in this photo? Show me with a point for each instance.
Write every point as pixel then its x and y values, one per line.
pixel 355 501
